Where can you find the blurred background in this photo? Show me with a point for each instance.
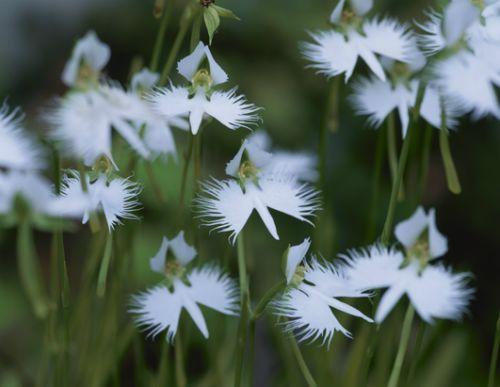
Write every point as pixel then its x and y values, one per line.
pixel 261 55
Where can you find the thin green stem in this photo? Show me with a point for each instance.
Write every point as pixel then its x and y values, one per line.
pixel 449 166
pixel 185 169
pixel 302 364
pixel 330 124
pixel 180 376
pixel 29 270
pixel 494 355
pixel 371 229
pixel 424 162
pixel 162 377
pixel 181 34
pixel 244 299
pixel 264 301
pixel 196 30
pixel 396 186
pixel 103 270
pixel 392 153
pixel 403 345
pixel 160 37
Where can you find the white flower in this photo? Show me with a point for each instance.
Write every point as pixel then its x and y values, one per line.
pixel 229 203
pixel 377 99
pixel 435 292
pixel 231 110
pixel 334 53
pixel 409 232
pixel 35 191
pixel 302 165
pixel 360 8
pixel 88 51
pixel 468 82
pixel 295 255
pixel 117 198
pixel 159 308
pixel 308 306
pixel 17 149
pixel 182 252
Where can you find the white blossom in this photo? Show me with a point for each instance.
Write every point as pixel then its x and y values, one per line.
pixel 17 148
pixel 159 308
pixel 88 51
pixel 333 53
pixel 308 307
pixel 117 199
pixel 360 8
pixel 434 291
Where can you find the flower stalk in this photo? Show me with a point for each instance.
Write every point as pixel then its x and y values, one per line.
pixel 449 166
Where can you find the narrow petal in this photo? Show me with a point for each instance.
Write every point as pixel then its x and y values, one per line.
pixel 131 136
pixel 183 252
pixel 364 50
pixel 193 309
pixel 216 72
pixel 336 15
pixel 262 210
pixel 188 66
pixel 408 231
pixel 295 255
pixel 157 263
pixel 388 301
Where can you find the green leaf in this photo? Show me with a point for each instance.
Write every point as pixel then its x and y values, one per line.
pixel 224 12
pixel 212 21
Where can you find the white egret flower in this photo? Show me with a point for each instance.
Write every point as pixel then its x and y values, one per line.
pixel 200 99
pixel 158 309
pixel 377 99
pixel 302 165
pixel 34 190
pixel 312 296
pixel 359 7
pixel 88 58
pixel 227 205
pixel 17 148
pixel 116 199
pixel 434 291
pixel 144 80
pixel 333 53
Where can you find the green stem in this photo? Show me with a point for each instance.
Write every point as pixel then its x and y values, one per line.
pixel 185 169
pixel 62 269
pixel 494 355
pixel 195 31
pixel 160 37
pixel 244 299
pixel 181 34
pixel 302 364
pixel 424 165
pixel 449 166
pixel 197 158
pixel 163 367
pixel 264 301
pixel 180 376
pixel 370 233
pixel 392 153
pixel 403 345
pixel 103 270
pixel 396 186
pixel 330 124
pixel 29 270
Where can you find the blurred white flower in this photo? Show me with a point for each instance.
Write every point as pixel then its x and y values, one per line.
pixel 89 55
pixel 308 305
pixel 334 53
pixel 377 99
pixel 230 109
pixel 228 204
pixel 144 80
pixel 302 165
pixel 410 231
pixel 359 7
pixel 159 309
pixel 434 291
pixel 17 149
pixel 117 199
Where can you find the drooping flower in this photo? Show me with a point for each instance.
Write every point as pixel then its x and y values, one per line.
pixel 312 295
pixel 200 98
pixel 302 165
pixel 226 205
pixel 115 198
pixel 333 53
pixel 434 290
pixel 17 148
pixel 159 308
pixel 88 58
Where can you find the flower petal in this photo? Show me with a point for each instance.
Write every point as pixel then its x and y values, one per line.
pixel 388 301
pixel 183 252
pixel 295 255
pixel 157 263
pixel 188 66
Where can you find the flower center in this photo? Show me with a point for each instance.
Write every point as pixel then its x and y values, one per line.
pixel 207 3
pixel 202 79
pixel 298 276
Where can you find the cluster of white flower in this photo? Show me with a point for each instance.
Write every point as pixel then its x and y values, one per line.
pixel 448 69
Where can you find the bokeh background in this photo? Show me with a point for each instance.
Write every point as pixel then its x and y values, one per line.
pixel 261 55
